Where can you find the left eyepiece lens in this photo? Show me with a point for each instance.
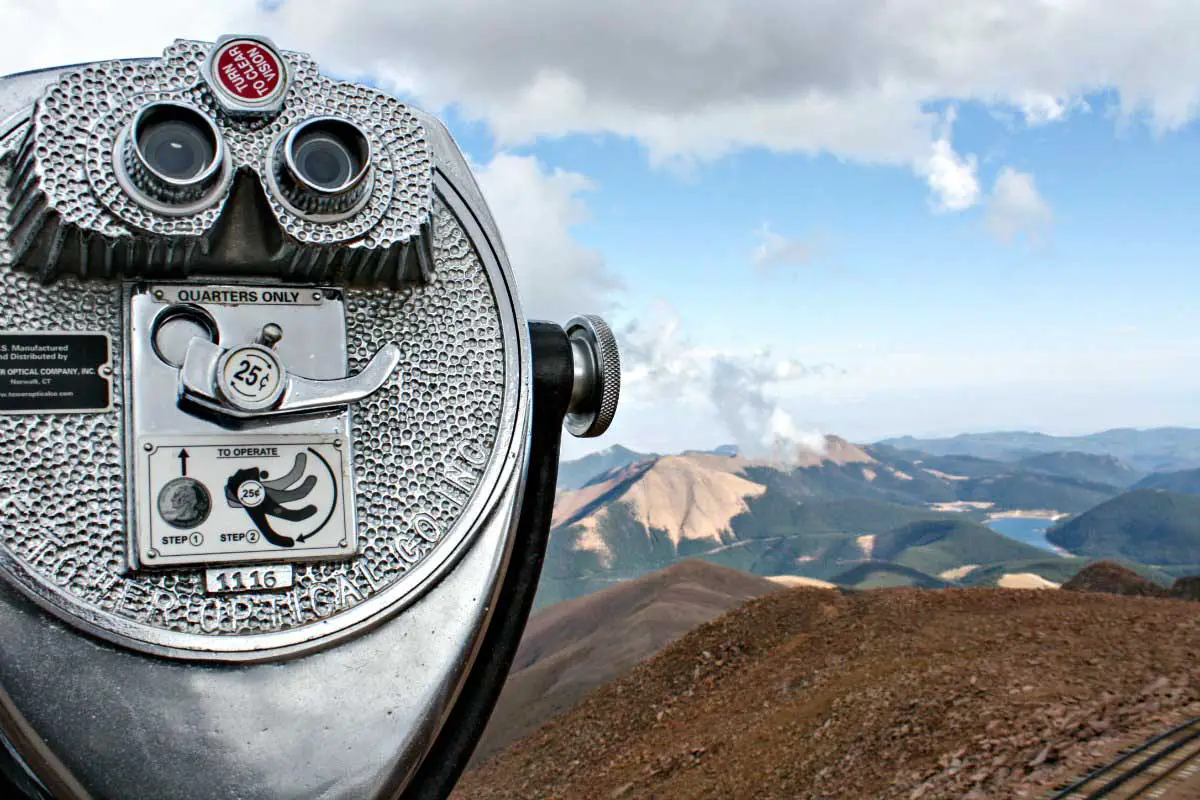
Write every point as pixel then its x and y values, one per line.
pixel 173 153
pixel 176 148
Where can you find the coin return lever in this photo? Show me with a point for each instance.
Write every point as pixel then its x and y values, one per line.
pixel 250 380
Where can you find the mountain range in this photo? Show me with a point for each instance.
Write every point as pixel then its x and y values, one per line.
pixel 1151 525
pixel 668 576
pixel 1152 450
pixel 882 514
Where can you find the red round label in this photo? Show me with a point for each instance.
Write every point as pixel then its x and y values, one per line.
pixel 248 70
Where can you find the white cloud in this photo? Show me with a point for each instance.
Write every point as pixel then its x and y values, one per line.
pixel 51 33
pixel 659 363
pixel 952 178
pixel 776 250
pixel 1039 108
pixel 1016 207
pixel 536 210
pixel 658 360
pixel 697 80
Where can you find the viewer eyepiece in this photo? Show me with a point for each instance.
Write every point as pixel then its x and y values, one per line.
pixel 172 154
pixel 325 164
pixel 174 143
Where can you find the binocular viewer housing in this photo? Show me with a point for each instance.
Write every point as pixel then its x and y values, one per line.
pixel 277 444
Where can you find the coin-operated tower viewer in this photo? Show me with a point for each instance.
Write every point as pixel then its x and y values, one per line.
pixel 277 445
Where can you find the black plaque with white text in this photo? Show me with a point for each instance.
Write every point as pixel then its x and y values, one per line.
pixel 55 372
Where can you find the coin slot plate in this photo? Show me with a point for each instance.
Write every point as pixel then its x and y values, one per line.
pixel 187 519
pixel 175 326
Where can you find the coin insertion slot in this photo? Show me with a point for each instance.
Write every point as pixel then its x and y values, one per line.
pixel 174 329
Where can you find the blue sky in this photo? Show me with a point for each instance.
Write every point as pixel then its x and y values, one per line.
pixel 865 218
pixel 887 276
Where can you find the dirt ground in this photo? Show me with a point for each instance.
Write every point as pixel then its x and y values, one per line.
pixel 571 648
pixel 895 693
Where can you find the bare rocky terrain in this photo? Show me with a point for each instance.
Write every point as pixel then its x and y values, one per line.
pixel 1105 576
pixel 573 647
pixel 890 693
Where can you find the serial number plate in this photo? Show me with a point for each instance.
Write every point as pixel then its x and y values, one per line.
pixel 251 578
pixel 243 499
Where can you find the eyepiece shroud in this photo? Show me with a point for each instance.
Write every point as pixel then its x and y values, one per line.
pixel 322 166
pixel 172 157
pixel 73 209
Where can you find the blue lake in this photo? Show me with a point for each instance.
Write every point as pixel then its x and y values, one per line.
pixel 1027 530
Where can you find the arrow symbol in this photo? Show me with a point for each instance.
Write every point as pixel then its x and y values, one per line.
pixel 183 457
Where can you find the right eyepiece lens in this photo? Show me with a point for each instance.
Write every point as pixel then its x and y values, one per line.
pixel 328 155
pixel 323 160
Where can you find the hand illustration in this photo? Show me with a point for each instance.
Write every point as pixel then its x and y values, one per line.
pixel 248 489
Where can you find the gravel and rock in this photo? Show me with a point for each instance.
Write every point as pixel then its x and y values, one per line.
pixel 896 693
pixel 1112 578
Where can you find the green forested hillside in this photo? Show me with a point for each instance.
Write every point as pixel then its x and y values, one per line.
pixel 1029 490
pixel 1091 467
pixel 883 575
pixel 939 545
pixel 1151 526
pixel 1052 568
pixel 1185 481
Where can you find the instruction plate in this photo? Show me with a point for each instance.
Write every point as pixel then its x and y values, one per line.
pixel 243 498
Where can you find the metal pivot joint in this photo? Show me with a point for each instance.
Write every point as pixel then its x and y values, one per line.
pixel 250 381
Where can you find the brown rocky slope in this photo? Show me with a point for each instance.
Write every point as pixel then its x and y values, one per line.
pixel 1106 576
pixel 573 647
pixel 894 693
pixel 1112 578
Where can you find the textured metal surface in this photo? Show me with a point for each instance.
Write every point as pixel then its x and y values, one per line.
pixel 68 219
pixel 426 455
pixel 345 723
pixel 19 92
